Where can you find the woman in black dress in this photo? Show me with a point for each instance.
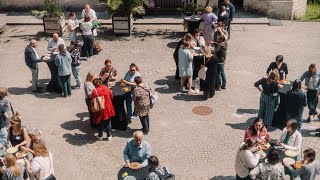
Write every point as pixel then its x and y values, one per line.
pixel 211 74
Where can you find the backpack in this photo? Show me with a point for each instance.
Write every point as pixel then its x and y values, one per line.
pixel 166 176
pixel 153 95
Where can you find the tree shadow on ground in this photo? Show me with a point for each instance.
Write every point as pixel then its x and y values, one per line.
pixel 223 177
pixel 169 85
pixel 23 91
pixel 247 111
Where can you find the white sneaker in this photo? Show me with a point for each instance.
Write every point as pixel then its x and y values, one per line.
pixel 109 138
pixel 100 138
pixel 133 117
pixel 88 59
pixel 191 91
pixel 197 91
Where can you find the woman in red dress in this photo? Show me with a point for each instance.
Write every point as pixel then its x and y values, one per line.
pixel 102 118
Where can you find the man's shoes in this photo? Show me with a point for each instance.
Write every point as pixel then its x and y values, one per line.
pixel 309 119
pixel 37 91
pixel 223 86
pixel 75 87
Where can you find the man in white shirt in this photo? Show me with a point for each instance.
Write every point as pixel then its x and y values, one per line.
pixel 54 42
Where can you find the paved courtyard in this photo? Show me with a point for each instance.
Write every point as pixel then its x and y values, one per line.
pixel 193 147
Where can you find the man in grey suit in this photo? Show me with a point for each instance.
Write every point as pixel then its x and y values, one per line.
pixel 32 58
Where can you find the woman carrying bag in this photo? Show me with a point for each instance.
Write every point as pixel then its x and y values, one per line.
pixel 209 80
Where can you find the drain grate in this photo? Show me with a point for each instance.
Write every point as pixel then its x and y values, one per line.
pixel 202 110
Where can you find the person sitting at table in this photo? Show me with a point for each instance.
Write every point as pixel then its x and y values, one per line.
pixel 63 61
pixel 246 159
pixel 257 131
pixel 102 118
pixel 88 12
pixel 129 81
pixel 86 28
pixel 155 169
pixel 76 63
pixel 223 17
pixel 185 67
pixel 88 88
pixel 41 165
pixel 295 102
pixel 32 59
pixel 141 99
pixel 72 27
pixel 280 66
pixel 209 84
pixel 54 43
pixel 269 96
pixel 310 166
pixel 137 150
pixel 18 135
pixel 108 73
pixel 186 38
pixel 12 170
pixel 209 19
pixel 35 137
pixel 312 83
pixel 271 169
pixel 197 39
pixel 291 138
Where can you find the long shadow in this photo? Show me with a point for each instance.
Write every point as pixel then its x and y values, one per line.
pixel 168 84
pixel 172 45
pixel 310 133
pixel 22 91
pixel 187 97
pixel 223 177
pixel 247 111
pixel 243 125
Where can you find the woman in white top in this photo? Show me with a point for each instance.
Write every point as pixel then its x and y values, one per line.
pixel 72 27
pixel 88 88
pixel 87 11
pixel 291 138
pixel 41 166
pixel 197 39
pixel 246 159
pixel 86 28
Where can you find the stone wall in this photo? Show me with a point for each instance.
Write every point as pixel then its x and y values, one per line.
pixel 299 8
pixel 27 5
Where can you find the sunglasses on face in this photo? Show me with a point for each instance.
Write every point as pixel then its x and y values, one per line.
pixel 133 70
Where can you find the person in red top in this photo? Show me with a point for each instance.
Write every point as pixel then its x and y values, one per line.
pixel 257 131
pixel 102 118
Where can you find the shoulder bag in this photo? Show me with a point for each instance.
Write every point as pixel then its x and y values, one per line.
pixel 153 96
pixel 97 103
pixel 203 69
pixel 51 176
pixel 166 176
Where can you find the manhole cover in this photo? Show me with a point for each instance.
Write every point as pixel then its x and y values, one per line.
pixel 202 110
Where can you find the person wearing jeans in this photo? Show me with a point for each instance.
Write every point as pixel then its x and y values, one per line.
pixel 3 129
pixel 63 61
pixel 221 51
pixel 86 29
pixel 104 124
pixel 312 83
pixel 76 63
pixel 141 99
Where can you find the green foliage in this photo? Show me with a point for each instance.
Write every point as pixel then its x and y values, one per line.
pixel 312 14
pixel 124 7
pixel 51 9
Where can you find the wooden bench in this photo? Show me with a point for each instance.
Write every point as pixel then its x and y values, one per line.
pixel 166 5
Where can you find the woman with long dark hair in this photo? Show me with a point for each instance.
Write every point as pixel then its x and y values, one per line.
pixel 257 131
pixel 312 82
pixel 295 101
pixel 269 96
pixel 155 169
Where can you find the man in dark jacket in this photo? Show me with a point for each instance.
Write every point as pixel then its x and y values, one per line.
pixel 221 52
pixel 32 58
pixel 231 11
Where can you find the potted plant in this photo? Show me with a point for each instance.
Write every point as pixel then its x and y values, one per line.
pixel 122 12
pixel 52 15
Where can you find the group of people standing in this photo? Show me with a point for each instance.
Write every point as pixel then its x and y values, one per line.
pixel 205 68
pixel 39 160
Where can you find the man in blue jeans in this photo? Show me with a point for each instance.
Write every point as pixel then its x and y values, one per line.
pixel 221 52
pixel 3 130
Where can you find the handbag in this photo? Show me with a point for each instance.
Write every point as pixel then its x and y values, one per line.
pixel 203 69
pixel 153 96
pixel 97 103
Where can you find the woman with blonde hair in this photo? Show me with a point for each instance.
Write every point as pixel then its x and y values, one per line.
pixel 209 19
pixel 211 73
pixel 13 171
pixel 6 103
pixel 18 135
pixel 88 88
pixel 269 96
pixel 41 166
pixel 63 61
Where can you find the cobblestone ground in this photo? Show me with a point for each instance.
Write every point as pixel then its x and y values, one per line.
pixel 193 147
